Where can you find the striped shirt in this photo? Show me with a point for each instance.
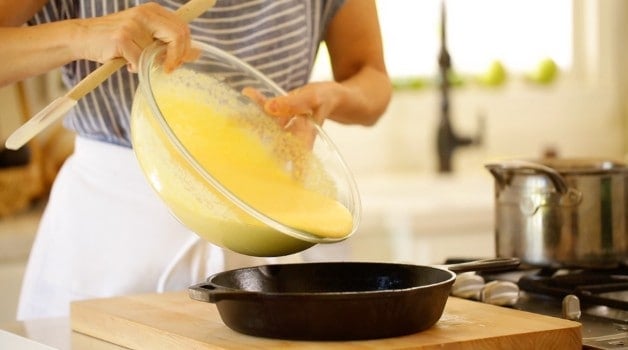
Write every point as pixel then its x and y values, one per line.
pixel 278 37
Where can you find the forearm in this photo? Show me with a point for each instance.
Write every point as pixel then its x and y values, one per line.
pixel 49 46
pixel 355 48
pixel 363 97
pixel 29 51
pixel 17 12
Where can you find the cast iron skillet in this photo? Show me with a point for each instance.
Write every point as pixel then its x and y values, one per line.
pixel 334 300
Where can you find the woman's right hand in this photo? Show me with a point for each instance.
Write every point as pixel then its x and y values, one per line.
pixel 126 33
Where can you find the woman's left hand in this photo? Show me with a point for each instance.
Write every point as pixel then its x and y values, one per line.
pixel 297 110
pixel 316 100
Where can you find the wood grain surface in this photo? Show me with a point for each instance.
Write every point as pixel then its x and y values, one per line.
pixel 174 321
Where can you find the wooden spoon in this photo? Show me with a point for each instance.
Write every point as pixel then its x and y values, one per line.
pixel 60 106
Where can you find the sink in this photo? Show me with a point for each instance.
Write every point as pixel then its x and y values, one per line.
pixel 421 192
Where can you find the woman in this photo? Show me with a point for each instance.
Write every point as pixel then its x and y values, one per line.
pixel 104 231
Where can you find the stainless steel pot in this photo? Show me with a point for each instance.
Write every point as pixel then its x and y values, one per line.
pixel 562 212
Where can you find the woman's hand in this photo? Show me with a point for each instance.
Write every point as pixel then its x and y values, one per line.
pixel 126 33
pixel 361 89
pixel 316 100
pixel 294 112
pixel 123 34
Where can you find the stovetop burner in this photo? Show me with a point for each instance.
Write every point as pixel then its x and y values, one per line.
pixel 602 296
pixel 593 287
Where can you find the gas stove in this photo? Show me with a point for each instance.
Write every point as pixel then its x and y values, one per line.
pixel 597 298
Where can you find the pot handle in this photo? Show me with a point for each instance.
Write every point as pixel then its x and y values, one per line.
pixel 484 265
pixel 569 196
pixel 210 293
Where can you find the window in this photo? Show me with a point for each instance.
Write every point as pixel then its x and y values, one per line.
pixel 519 33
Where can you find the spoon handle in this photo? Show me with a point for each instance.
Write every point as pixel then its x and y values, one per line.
pixel 60 106
pixel 95 78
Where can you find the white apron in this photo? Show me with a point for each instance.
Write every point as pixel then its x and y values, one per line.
pixel 105 232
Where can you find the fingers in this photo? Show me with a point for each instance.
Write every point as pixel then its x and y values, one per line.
pixel 305 101
pixel 303 128
pixel 167 27
pixel 131 43
pixel 258 98
pixel 192 55
pixel 289 105
pixel 298 112
pixel 293 112
pixel 127 33
pixel 286 107
pixel 254 95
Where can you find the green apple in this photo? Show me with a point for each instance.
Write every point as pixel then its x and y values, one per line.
pixel 494 76
pixel 545 73
pixel 455 79
pixel 409 83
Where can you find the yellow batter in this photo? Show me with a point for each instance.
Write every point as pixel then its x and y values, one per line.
pixel 223 145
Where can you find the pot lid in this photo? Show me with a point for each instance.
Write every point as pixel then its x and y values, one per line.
pixel 589 166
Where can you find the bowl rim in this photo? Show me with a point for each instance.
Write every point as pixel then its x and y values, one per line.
pixel 144 72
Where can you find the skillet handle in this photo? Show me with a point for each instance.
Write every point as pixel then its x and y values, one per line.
pixel 484 265
pixel 210 293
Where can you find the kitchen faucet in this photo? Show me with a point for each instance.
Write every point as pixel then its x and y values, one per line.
pixel 447 140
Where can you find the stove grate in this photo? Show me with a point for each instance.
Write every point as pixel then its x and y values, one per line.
pixel 592 287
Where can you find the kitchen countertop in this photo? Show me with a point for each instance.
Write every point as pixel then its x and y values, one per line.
pixel 50 332
pixel 172 320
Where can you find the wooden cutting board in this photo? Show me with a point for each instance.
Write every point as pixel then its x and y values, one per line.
pixel 174 321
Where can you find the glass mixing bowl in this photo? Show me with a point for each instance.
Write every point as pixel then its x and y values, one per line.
pixel 218 196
